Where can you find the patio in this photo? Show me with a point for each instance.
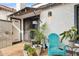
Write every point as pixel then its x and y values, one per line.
pixel 16 50
pixel 31 20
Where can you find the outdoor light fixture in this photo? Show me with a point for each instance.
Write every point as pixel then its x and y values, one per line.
pixel 34 22
pixel 50 15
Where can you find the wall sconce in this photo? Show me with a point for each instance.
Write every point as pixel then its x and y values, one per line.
pixel 50 14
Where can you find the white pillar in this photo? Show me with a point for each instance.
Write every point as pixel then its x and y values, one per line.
pixel 22 30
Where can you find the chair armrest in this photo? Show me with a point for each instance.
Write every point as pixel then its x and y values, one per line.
pixel 64 47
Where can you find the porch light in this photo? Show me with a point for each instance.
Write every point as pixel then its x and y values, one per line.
pixel 34 22
pixel 49 14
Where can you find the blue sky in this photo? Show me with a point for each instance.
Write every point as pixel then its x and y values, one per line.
pixel 13 5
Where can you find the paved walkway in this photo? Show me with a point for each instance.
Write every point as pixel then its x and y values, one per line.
pixel 14 50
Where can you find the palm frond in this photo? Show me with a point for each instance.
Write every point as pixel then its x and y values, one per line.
pixel 71 34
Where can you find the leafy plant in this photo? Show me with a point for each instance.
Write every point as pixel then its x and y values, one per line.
pixel 26 47
pixel 30 50
pixel 39 33
pixel 71 34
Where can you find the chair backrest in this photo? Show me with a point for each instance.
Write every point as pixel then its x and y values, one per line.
pixel 53 39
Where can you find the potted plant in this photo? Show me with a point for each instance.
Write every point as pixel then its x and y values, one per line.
pixel 43 28
pixel 29 51
pixel 40 37
pixel 71 34
pixel 39 34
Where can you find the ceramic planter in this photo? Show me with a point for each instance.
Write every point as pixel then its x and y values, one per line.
pixel 38 49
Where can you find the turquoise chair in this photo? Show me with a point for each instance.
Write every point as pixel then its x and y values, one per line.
pixel 54 46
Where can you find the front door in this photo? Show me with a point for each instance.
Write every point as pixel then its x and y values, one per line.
pixel 30 23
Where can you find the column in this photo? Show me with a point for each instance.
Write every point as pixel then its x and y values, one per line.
pixel 22 30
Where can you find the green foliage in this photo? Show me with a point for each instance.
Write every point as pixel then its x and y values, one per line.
pixel 44 27
pixel 39 33
pixel 71 34
pixel 30 50
pixel 26 47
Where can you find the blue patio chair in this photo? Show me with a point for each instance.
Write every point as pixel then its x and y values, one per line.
pixel 54 46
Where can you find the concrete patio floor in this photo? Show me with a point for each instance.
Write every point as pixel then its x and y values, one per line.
pixel 16 50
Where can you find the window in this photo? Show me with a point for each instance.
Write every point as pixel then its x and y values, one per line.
pixel 76 20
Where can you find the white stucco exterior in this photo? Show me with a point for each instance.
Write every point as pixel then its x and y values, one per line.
pixel 62 18
pixel 4 14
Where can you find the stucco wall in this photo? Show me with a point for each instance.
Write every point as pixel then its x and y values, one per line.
pixel 62 18
pixel 4 14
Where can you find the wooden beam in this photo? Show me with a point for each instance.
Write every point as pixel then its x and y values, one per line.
pixel 24 11
pixel 30 14
pixel 15 17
